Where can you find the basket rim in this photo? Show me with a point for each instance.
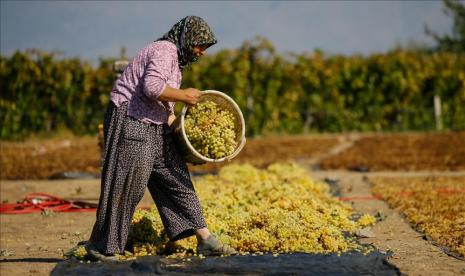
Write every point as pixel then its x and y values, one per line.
pixel 189 145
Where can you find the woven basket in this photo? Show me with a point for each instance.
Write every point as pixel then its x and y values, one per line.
pixel 224 102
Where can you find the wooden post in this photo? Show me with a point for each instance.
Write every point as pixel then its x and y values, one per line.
pixel 437 112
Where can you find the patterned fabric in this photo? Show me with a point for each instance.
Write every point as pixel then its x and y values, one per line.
pixel 159 64
pixel 136 156
pixel 145 78
pixel 189 32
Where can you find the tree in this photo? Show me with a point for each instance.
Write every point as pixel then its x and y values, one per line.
pixel 456 41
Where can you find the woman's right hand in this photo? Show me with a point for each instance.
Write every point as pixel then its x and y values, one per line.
pixel 191 96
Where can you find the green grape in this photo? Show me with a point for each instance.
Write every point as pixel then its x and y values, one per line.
pixel 210 130
pixel 80 252
pixel 279 209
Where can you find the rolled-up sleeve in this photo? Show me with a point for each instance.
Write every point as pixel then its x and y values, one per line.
pixel 156 76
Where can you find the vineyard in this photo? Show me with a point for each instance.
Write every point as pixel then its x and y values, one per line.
pixel 380 92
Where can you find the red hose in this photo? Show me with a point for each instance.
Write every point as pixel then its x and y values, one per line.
pixel 39 202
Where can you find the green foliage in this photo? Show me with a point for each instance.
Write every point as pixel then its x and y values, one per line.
pixel 313 93
pixel 41 93
pixel 294 93
pixel 455 42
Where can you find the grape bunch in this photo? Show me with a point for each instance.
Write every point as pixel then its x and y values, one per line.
pixel 211 130
pixel 279 209
pixel 80 252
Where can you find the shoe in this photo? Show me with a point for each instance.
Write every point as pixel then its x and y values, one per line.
pixel 93 254
pixel 213 247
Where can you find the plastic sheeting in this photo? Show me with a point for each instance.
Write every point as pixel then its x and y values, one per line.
pixel 355 263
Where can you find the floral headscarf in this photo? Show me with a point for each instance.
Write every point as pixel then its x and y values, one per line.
pixel 189 32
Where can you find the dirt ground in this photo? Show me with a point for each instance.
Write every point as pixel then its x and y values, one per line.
pixel 36 242
pixel 32 244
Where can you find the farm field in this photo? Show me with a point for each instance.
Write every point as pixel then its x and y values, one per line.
pixel 26 251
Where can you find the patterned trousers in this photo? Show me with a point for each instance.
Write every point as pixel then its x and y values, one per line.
pixel 139 155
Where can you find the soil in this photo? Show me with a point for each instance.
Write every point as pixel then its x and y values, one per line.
pixel 33 244
pixel 36 242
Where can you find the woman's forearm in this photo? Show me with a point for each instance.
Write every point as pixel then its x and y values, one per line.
pixel 189 96
pixel 171 94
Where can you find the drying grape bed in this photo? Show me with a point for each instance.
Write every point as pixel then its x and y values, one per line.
pixel 275 210
pixel 433 205
pixel 42 159
pixel 403 152
pixel 381 152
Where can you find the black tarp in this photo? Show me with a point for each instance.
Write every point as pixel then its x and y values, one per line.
pixel 354 263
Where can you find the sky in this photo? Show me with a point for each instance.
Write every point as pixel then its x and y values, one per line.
pixel 94 29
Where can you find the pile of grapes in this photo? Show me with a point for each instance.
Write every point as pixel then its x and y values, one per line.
pixel 277 210
pixel 210 130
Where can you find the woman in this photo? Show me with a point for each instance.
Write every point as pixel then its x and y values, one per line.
pixel 139 150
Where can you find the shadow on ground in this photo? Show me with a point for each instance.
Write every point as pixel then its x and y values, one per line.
pixel 32 260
